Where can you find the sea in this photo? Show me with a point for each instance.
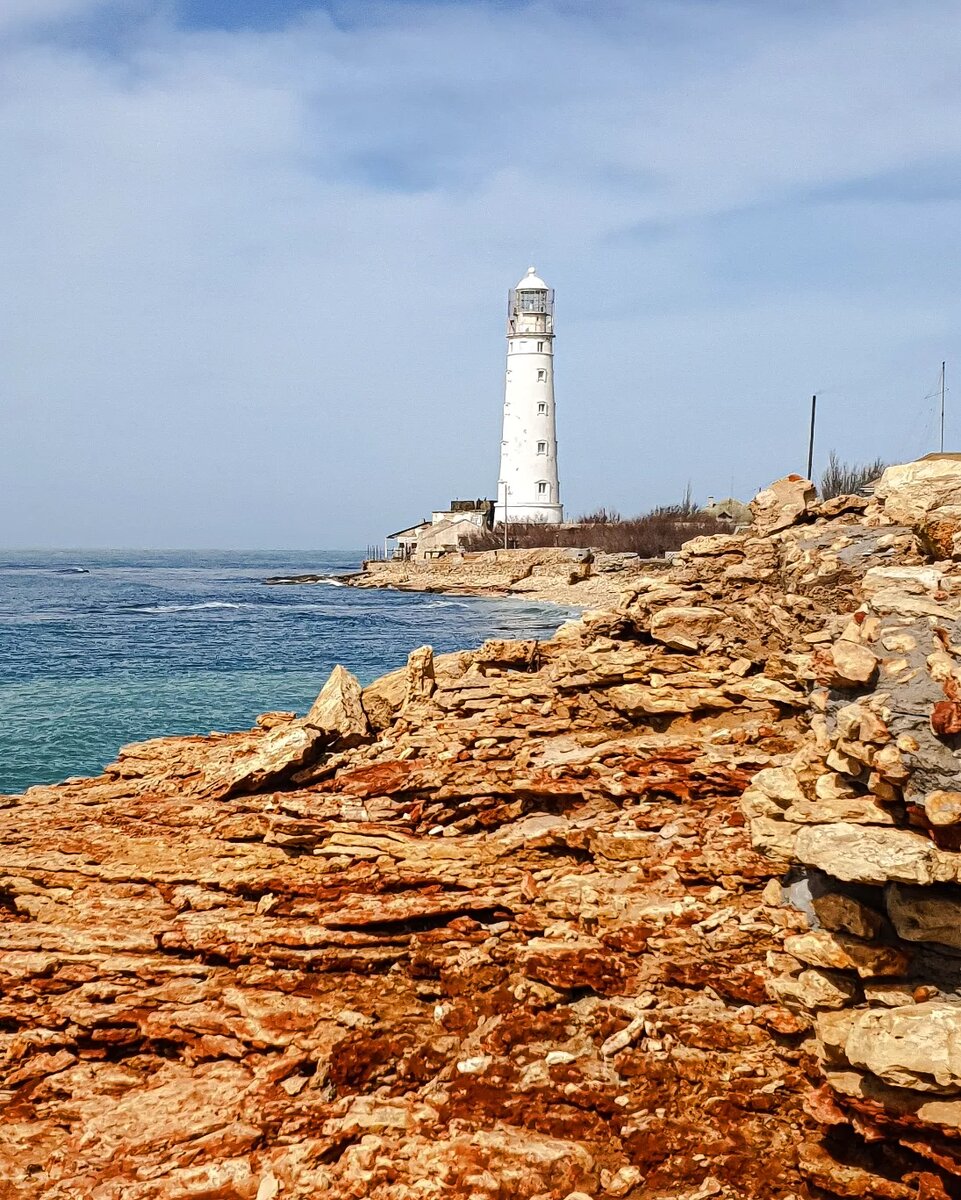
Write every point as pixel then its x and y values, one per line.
pixel 101 648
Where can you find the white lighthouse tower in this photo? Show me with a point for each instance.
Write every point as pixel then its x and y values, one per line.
pixel 528 488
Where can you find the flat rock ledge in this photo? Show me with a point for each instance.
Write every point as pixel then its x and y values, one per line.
pixel 664 907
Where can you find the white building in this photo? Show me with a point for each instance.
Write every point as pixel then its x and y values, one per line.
pixel 528 488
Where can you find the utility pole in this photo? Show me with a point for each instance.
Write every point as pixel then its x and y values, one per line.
pixel 814 406
pixel 942 408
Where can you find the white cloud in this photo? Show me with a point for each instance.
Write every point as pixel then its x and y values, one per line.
pixel 255 279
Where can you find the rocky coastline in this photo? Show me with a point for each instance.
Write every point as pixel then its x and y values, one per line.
pixel 664 907
pixel 572 578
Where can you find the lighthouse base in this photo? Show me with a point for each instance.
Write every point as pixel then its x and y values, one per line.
pixel 529 514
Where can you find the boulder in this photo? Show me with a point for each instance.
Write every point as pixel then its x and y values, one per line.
pixel 848 665
pixel 273 758
pixel 783 503
pixel 926 495
pixel 837 951
pixel 338 712
pixel 772 790
pixel 872 854
pixel 420 678
pixel 816 989
pixel 685 628
pixel 943 808
pixel 383 698
pixel 844 914
pixel 946 718
pixel 917 1046
pixel 926 914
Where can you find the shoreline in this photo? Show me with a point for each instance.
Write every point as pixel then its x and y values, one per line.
pixel 580 579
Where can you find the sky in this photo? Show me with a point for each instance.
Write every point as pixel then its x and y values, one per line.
pixel 254 254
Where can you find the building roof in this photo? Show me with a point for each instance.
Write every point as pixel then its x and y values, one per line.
pixel 532 282
pixel 410 530
pixel 729 508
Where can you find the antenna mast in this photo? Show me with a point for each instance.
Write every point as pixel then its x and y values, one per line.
pixel 942 408
pixel 814 406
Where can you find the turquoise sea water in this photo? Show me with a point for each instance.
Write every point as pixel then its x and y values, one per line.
pixel 145 643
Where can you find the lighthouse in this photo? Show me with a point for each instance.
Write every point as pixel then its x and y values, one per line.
pixel 528 488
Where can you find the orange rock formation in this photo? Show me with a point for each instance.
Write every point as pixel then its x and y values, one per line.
pixel 495 927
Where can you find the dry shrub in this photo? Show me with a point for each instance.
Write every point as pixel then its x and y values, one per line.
pixel 847 479
pixel 650 535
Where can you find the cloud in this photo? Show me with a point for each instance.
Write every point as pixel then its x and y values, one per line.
pixel 255 276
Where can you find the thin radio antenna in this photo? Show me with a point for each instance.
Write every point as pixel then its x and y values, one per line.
pixel 942 408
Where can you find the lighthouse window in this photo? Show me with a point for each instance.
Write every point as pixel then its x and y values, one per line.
pixel 542 447
pixel 540 347
pixel 542 377
pixel 542 407
pixel 534 302
pixel 542 489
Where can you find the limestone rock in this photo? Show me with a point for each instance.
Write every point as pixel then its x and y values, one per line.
pixel 782 504
pixel 772 790
pixel 915 1047
pixel 817 989
pixel 845 914
pixel 865 854
pixel 383 699
pixel 272 759
pixel 849 665
pixel 946 718
pixel 837 951
pixel 777 839
pixel 926 495
pixel 943 808
pixel 338 712
pixel 685 628
pixel 908 491
pixel 420 678
pixel 926 914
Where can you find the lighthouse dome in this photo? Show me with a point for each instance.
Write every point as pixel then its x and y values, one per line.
pixel 532 282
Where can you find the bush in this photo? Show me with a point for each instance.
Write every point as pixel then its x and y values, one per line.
pixel 847 479
pixel 650 535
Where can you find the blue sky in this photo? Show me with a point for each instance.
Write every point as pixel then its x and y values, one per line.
pixel 254 256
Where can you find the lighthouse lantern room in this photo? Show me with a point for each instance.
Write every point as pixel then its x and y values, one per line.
pixel 528 488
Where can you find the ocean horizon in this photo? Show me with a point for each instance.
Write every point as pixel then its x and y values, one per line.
pixel 99 648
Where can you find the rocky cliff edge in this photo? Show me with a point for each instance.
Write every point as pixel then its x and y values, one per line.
pixel 664 907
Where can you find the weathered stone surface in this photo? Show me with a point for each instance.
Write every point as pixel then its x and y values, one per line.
pixel 925 495
pixel 421 678
pixel 917 1047
pixel 685 628
pixel 783 503
pixel 772 790
pixel 511 937
pixel 943 807
pixel 777 839
pixel 845 914
pixel 837 951
pixel 817 989
pixel 338 712
pixel 864 854
pixel 850 665
pixel 946 718
pixel 926 914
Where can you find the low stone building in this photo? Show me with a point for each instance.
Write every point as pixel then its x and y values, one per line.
pixel 448 530
pixel 732 512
